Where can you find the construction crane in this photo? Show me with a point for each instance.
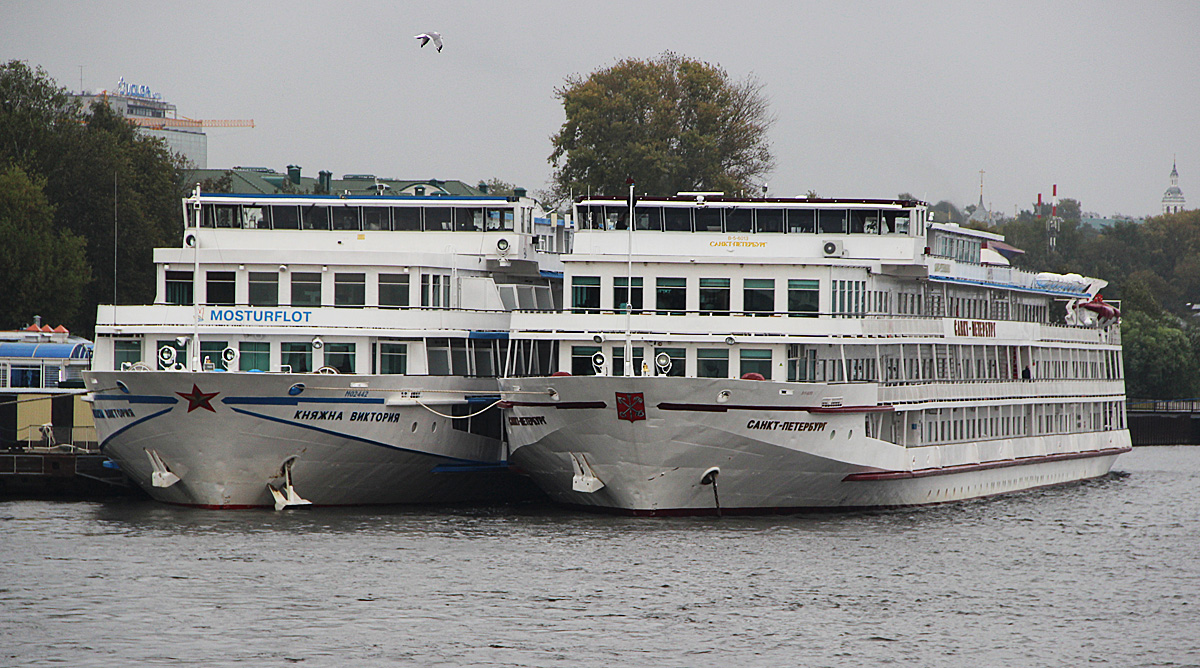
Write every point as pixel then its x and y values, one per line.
pixel 161 123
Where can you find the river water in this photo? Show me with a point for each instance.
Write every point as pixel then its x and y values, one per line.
pixel 1104 573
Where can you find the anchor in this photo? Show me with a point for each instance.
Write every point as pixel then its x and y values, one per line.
pixel 285 495
pixel 161 476
pixel 585 479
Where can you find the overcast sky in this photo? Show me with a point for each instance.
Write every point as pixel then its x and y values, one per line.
pixel 872 98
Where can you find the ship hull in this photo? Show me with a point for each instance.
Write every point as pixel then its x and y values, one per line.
pixel 346 440
pixel 776 447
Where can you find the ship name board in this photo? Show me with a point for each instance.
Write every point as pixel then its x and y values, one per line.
pixel 248 315
pixel 780 425
pixel 974 328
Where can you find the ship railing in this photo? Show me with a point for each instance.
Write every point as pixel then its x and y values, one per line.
pixel 984 389
pixel 1164 405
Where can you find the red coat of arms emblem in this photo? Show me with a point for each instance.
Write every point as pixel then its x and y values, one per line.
pixel 631 406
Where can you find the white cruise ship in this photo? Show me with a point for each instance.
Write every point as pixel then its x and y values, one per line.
pixel 766 355
pixel 327 350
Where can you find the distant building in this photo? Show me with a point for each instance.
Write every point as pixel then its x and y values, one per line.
pixel 267 181
pixel 156 117
pixel 981 214
pixel 1172 200
pixel 147 108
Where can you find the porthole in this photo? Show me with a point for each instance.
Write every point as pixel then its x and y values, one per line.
pixel 832 434
pixel 433 427
pixel 414 427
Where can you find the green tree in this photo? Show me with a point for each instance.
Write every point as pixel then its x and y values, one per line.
pixel 497 186
pixel 107 183
pixel 671 123
pixel 1160 362
pixel 42 269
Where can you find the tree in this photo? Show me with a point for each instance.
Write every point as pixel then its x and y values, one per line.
pixel 42 270
pixel 496 186
pixel 100 176
pixel 670 123
pixel 1159 359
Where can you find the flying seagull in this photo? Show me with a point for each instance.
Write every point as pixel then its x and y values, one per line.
pixel 435 36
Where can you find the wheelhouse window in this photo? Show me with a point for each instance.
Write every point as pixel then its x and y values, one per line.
pixel 439 218
pixel 671 295
pixel 768 220
pixel 306 288
pixel 758 296
pixel 756 361
pixel 179 287
pixel 393 358
pixel 647 219
pixel 468 220
pixel 406 219
pixel 221 215
pixel 801 221
pixel 832 221
pixel 349 289
pixel 803 297
pixel 708 219
pixel 585 294
pixel 220 288
pixel 622 299
pixel 376 218
pixel 714 296
pixel 499 220
pixel 864 222
pixel 285 217
pixel 126 351
pixel 340 356
pixel 264 288
pixel 393 289
pixel 345 218
pixel 255 218
pixel 739 220
pixel 712 363
pixel 254 355
pixel 314 218
pixel 297 356
pixel 677 219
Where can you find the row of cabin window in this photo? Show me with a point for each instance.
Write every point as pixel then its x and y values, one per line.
pixel 935 426
pixel 444 356
pixel 714 296
pixel 352 218
pixel 895 364
pixel 710 362
pixel 349 289
pixel 746 220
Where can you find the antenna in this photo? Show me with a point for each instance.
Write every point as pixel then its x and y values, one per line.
pixel 628 361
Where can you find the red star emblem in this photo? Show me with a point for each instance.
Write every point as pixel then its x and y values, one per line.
pixel 198 399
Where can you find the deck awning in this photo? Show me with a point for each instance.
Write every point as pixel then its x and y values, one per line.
pixel 21 350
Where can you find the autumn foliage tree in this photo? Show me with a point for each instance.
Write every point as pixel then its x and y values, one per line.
pixel 671 123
